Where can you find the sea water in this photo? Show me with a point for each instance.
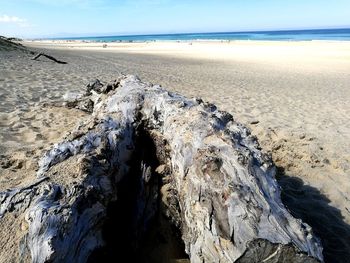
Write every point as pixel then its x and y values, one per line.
pixel 290 35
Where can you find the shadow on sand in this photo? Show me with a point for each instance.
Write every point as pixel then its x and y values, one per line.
pixel 307 203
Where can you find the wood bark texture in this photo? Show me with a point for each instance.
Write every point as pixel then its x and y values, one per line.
pixel 217 186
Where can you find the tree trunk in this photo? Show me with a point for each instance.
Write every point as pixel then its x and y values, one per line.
pixel 180 156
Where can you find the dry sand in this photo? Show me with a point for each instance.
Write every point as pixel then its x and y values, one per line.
pixel 293 95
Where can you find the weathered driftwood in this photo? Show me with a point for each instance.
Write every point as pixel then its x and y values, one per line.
pixel 49 57
pixel 216 185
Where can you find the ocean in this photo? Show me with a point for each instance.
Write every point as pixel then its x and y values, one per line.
pixel 290 35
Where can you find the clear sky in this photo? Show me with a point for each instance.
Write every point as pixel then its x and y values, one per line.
pixel 50 18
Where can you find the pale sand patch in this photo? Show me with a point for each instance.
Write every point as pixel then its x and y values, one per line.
pixel 332 56
pixel 28 134
pixel 293 95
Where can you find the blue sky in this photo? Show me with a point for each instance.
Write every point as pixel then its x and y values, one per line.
pixel 50 18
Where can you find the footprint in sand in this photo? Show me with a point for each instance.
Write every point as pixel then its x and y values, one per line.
pixel 8 162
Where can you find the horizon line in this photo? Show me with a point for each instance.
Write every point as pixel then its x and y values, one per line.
pixel 188 33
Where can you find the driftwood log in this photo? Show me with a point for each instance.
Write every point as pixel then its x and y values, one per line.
pixel 197 165
pixel 49 57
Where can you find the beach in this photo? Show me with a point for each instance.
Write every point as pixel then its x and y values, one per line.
pixel 294 96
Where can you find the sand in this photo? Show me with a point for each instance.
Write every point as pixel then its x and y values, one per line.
pixel 293 95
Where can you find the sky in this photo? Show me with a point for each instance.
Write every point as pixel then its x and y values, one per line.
pixel 60 18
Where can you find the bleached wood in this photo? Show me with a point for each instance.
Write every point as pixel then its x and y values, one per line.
pixel 222 191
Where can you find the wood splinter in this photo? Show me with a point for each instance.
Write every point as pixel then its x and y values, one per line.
pixel 49 57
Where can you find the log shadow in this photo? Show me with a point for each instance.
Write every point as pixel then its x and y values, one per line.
pixel 311 206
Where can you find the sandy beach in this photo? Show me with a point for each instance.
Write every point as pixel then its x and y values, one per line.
pixel 294 96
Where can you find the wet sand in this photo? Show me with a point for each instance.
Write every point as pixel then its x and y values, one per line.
pixel 293 95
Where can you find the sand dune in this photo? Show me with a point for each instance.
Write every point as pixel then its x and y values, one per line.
pixel 293 95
